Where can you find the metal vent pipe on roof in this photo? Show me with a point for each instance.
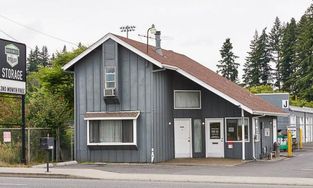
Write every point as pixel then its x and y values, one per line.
pixel 158 42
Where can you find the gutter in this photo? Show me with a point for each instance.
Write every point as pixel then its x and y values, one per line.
pixel 264 113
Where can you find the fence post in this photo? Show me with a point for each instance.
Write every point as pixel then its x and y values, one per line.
pixel 28 144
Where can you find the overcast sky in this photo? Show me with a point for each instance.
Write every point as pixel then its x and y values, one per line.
pixel 196 28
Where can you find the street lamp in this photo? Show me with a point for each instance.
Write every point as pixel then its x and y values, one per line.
pixel 127 29
pixel 152 30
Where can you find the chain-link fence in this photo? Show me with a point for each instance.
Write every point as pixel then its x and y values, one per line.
pixel 11 142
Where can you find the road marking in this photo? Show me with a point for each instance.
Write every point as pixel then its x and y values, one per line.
pixel 307 169
pixel 11 184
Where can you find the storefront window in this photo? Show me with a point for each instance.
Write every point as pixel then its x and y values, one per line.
pixel 234 129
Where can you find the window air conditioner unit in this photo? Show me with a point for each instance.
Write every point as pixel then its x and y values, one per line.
pixel 109 92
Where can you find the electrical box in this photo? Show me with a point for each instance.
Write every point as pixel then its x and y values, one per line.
pixel 47 143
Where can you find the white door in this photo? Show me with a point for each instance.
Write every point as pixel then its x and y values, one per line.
pixel 214 137
pixel 182 133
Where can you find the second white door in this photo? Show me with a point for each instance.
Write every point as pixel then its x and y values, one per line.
pixel 214 136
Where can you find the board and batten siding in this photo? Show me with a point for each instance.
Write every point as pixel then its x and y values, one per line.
pixel 163 122
pixel 135 93
pixel 212 106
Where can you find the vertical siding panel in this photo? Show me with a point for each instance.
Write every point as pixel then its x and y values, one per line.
pixel 124 65
pixel 83 107
pixel 76 117
pixel 90 86
pixel 141 105
pixel 97 82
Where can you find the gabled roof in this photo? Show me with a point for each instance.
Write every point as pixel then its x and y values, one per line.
pixel 195 72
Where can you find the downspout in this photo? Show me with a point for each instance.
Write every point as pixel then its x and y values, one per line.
pixel 253 137
pixel 243 134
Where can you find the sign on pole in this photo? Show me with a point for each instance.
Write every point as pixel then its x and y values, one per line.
pixel 12 67
pixel 6 136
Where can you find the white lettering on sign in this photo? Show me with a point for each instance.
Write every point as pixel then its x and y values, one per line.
pixel 285 104
pixel 6 136
pixel 12 74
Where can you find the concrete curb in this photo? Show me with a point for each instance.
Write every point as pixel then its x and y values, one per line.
pixel 104 175
pixel 67 163
pixel 40 175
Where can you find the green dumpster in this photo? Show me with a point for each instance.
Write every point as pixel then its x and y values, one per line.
pixel 283 142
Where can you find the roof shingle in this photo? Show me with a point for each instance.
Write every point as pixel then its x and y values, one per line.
pixel 236 92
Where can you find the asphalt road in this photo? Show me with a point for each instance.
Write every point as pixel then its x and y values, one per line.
pixel 299 166
pixel 82 183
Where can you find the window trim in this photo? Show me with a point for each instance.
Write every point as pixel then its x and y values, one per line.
pixel 198 91
pixel 134 143
pixel 225 134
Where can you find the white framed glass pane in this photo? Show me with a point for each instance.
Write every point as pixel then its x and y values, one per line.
pixel 109 77
pixel 231 129
pixel 187 99
pixel 111 131
pixel 234 129
pixel 110 70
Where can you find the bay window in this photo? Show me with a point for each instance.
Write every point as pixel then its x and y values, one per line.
pixel 111 128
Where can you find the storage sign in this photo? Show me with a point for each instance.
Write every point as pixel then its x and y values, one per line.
pixel 12 67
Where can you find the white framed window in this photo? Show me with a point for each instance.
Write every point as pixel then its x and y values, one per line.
pixel 234 129
pixel 187 99
pixel 109 81
pixel 111 132
pixel 110 78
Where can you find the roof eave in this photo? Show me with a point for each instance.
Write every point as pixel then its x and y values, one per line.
pixel 265 113
pixel 67 66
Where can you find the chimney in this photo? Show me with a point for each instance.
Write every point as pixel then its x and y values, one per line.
pixel 158 42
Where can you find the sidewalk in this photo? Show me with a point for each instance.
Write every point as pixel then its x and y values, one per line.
pixel 104 175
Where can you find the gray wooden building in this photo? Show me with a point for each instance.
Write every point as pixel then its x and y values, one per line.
pixel 139 103
pixel 299 117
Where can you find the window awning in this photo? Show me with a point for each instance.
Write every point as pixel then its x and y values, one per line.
pixel 120 115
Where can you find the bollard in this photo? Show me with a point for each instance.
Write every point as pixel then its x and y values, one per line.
pixel 300 139
pixel 289 144
pixel 277 150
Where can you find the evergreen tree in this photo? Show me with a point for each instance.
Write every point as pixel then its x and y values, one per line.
pixel 228 67
pixel 287 61
pixel 264 57
pixel 33 60
pixel 275 44
pixel 251 76
pixel 64 49
pixel 303 76
pixel 44 57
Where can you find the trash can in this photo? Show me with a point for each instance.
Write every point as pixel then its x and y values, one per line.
pixel 283 142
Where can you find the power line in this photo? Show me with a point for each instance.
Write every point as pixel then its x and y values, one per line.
pixel 10 36
pixel 35 30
